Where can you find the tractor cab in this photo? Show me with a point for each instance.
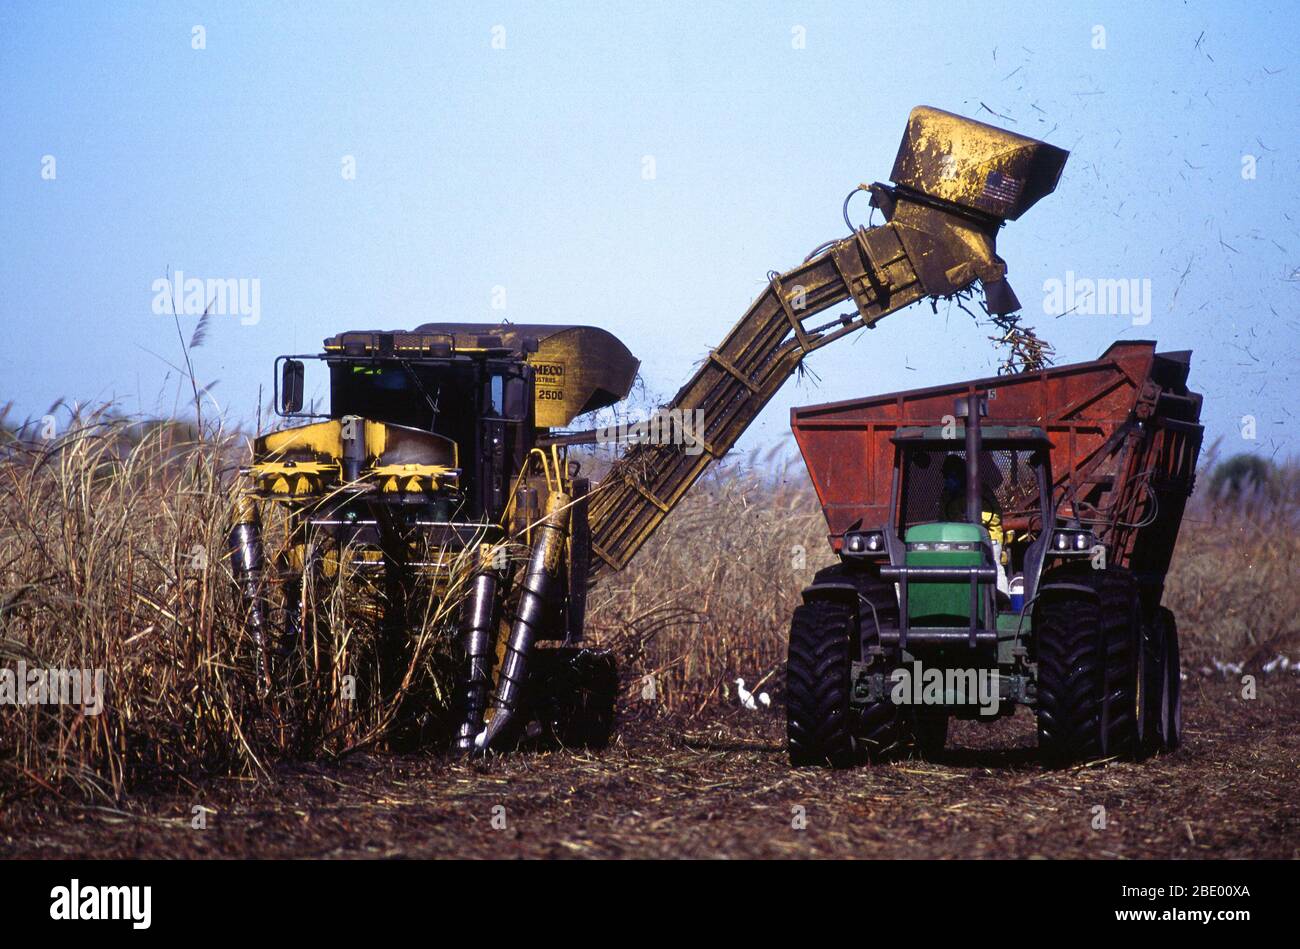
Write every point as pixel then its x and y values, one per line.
pixel 963 538
pixel 930 518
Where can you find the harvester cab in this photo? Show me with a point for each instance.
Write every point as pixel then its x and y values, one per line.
pixel 989 564
pixel 449 436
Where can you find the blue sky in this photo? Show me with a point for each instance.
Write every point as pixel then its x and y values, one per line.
pixel 522 168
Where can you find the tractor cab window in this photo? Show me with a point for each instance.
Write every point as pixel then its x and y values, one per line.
pixel 934 489
pixel 934 484
pixel 1012 482
pixel 386 392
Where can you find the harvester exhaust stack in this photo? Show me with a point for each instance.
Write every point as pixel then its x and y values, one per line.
pixel 247 558
pixel 478 627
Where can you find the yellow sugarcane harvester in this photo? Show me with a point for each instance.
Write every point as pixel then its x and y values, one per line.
pixel 453 437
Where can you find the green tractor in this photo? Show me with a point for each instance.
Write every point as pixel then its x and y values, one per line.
pixel 974 579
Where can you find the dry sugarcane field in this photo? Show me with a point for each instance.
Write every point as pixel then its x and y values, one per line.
pixel 690 771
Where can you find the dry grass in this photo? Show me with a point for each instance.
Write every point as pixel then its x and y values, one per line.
pixel 1232 584
pixel 708 599
pixel 112 556
pixel 110 540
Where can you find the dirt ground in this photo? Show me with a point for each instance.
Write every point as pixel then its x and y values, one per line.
pixel 722 788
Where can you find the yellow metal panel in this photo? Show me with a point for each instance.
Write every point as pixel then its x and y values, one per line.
pixel 974 165
pixel 322 437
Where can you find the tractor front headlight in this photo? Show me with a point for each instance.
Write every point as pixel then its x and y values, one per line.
pixel 1073 541
pixel 863 543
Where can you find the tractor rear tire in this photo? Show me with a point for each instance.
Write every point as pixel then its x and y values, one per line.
pixel 819 719
pixel 1088 635
pixel 1171 705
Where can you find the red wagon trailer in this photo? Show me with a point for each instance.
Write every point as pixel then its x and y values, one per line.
pixel 1073 482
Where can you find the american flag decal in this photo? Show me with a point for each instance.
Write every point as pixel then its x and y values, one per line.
pixel 1002 187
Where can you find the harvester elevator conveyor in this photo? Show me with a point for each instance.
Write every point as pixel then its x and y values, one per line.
pixel 955 182
pixel 740 376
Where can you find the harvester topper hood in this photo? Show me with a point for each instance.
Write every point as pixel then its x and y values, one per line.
pixel 579 368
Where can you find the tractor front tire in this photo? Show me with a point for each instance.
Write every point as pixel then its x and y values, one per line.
pixel 819 719
pixel 1088 635
pixel 883 727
